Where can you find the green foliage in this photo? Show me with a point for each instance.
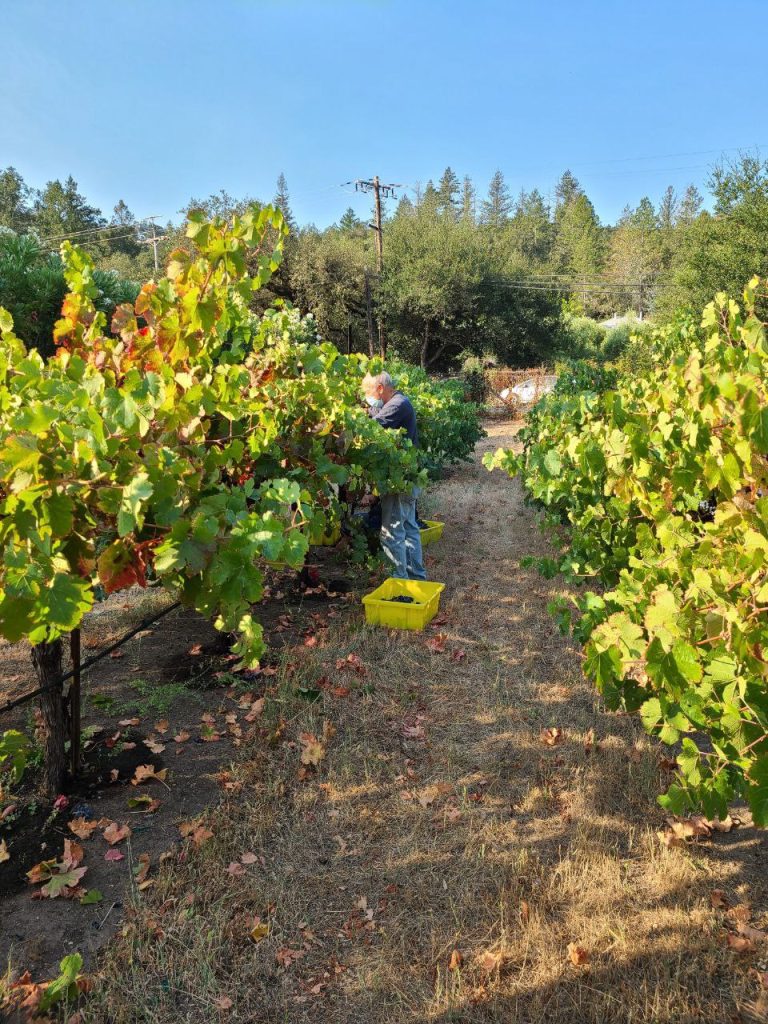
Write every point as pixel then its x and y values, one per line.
pixel 449 425
pixel 64 988
pixel 33 286
pixel 619 339
pixel 583 337
pixel 15 751
pixel 190 443
pixel 680 630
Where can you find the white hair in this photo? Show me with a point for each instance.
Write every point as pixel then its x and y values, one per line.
pixel 382 378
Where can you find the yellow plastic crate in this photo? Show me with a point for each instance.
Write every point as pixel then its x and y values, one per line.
pixel 432 532
pixel 318 539
pixel 381 612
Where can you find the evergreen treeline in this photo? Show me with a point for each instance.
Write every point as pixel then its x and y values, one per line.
pixel 462 274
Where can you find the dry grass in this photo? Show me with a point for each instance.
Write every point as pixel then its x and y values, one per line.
pixel 442 879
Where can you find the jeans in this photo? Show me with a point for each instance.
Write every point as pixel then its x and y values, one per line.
pixel 400 537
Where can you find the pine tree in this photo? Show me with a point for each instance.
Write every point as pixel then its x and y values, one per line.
pixel 430 199
pixel 349 220
pixel 283 201
pixel 15 212
pixel 61 211
pixel 668 209
pixel 468 199
pixel 447 192
pixel 690 205
pixel 496 208
pixel 405 207
pixel 566 190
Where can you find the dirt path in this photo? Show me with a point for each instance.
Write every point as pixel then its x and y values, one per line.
pixel 442 857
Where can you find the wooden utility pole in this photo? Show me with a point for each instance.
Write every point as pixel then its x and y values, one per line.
pixel 375 186
pixel 369 311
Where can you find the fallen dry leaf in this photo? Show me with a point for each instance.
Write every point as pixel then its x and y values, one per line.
pixel 578 956
pixel 551 736
pixel 129 721
pixel 153 743
pixel 141 870
pixel 146 772
pixel 235 868
pixel 739 914
pixel 195 831
pixel 259 931
pixel 223 1003
pixel 490 961
pixel 718 899
pixel 161 726
pixel 436 644
pixel 83 829
pixel 4 854
pixel 115 833
pixel 113 854
pixel 182 736
pixel 740 943
pixel 248 858
pixel 753 934
pixel 455 962
pixel 312 750
pixel 459 655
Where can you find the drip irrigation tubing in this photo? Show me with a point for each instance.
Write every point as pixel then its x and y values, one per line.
pixel 89 662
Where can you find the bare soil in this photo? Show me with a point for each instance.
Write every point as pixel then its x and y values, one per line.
pixel 454 830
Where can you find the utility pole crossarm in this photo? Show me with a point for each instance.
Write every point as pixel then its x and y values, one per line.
pixel 374 185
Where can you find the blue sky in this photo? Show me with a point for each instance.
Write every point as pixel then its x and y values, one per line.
pixel 154 101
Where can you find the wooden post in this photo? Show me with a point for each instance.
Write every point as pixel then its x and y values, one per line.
pixel 74 701
pixel 47 661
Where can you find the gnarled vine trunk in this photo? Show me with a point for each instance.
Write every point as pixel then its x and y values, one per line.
pixel 47 661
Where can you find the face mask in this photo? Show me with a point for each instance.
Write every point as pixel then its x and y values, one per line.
pixel 375 403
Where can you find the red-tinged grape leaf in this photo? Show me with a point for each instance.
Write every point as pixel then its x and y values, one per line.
pixel 121 565
pixel 114 854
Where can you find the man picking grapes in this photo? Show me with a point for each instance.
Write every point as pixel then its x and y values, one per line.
pixel 400 536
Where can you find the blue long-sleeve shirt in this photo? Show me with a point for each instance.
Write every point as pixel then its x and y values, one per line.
pixel 398 413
